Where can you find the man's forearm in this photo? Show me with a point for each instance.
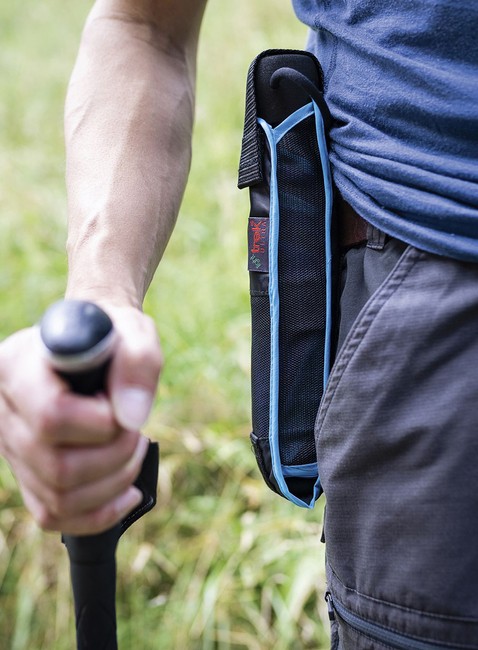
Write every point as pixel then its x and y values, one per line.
pixel 128 123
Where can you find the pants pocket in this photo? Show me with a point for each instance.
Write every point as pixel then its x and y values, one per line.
pixel 397 452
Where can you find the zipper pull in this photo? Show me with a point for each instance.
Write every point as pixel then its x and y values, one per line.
pixel 330 605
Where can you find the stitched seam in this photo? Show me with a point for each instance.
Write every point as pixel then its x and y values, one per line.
pixel 402 608
pixel 136 514
pixel 364 321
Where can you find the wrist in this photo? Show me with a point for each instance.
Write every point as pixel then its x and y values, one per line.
pixel 101 275
pixel 102 291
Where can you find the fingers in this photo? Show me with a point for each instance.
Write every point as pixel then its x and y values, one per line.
pixel 86 489
pixel 65 468
pixel 88 523
pixel 67 419
pixel 33 392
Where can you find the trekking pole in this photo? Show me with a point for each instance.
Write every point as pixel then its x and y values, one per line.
pixel 79 339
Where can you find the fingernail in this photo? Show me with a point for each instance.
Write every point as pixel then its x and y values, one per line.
pixel 129 500
pixel 132 406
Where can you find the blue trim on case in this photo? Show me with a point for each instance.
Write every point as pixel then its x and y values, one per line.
pixel 274 314
pixel 292 120
pixel 273 136
pixel 303 471
pixel 324 159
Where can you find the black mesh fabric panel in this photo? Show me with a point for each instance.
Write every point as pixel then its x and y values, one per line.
pixel 302 282
pixel 260 363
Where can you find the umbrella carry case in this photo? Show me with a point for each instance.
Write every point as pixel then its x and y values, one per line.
pixel 284 163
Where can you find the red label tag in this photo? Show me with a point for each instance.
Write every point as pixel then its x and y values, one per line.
pixel 258 237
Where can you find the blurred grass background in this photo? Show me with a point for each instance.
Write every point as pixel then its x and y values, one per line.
pixel 221 563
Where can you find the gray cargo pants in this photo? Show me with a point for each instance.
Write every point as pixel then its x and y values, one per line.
pixel 397 444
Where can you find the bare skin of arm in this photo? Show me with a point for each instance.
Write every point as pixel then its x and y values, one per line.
pixel 128 123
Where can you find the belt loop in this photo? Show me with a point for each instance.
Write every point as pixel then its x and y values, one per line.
pixel 376 238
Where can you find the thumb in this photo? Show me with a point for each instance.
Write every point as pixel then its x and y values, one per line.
pixel 131 406
pixel 135 368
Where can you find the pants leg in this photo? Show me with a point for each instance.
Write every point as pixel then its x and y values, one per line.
pixel 397 444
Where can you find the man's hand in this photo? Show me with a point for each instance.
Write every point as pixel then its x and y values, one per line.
pixel 75 458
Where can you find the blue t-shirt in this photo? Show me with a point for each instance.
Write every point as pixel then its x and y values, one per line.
pixel 401 81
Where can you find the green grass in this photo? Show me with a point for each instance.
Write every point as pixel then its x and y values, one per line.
pixel 221 563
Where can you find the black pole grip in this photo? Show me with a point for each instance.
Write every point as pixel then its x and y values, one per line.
pixel 79 338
